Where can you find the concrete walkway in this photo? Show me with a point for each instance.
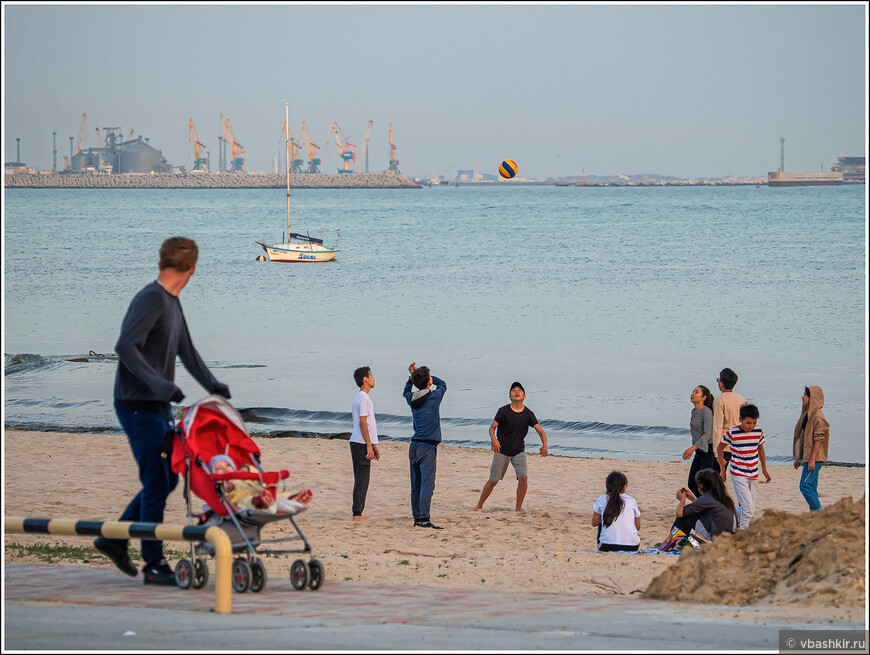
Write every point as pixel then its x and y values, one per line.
pixel 59 608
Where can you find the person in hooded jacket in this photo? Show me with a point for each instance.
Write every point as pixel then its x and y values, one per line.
pixel 810 446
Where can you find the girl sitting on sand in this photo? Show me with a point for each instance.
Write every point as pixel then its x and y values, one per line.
pixel 711 513
pixel 247 494
pixel 616 515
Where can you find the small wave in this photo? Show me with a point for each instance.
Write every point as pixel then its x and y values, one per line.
pixel 72 429
pixel 280 414
pixel 29 362
pixel 25 362
pixel 220 365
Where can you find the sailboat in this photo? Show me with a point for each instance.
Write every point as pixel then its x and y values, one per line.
pixel 300 247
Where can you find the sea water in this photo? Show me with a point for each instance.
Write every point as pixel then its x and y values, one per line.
pixel 609 304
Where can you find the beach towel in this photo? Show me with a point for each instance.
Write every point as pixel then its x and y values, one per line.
pixel 641 551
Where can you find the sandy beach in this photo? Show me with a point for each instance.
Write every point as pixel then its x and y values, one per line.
pixel 90 476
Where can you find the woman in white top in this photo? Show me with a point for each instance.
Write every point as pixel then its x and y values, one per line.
pixel 616 515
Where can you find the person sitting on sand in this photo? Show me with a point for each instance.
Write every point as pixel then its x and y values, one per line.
pixel 709 514
pixel 617 516
pixel 248 494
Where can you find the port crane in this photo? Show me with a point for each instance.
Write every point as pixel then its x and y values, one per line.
pixel 365 147
pixel 199 162
pixel 130 136
pixel 238 151
pixel 99 150
pixel 313 161
pixel 343 146
pixel 295 161
pixel 394 163
pixel 82 134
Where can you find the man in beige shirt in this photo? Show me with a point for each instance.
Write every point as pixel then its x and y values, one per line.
pixel 726 409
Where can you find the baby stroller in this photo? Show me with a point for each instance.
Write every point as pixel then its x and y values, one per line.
pixel 210 427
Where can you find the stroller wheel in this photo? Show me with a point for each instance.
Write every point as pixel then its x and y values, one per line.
pixel 315 575
pixel 241 575
pixel 258 576
pixel 184 574
pixel 200 574
pixel 298 575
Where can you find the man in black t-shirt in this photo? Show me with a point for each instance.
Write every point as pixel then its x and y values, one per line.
pixel 509 446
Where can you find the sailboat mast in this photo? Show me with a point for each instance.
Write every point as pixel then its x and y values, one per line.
pixel 287 167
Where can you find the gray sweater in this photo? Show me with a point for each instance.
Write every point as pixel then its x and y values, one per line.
pixel 153 335
pixel 701 427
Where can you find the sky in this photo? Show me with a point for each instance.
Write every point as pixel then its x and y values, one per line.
pixel 693 91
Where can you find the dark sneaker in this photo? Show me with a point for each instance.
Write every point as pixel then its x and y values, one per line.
pixel 426 524
pixel 159 573
pixel 117 552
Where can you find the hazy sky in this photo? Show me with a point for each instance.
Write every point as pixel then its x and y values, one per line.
pixel 687 90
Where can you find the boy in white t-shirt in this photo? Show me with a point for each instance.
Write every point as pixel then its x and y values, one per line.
pixel 617 516
pixel 363 440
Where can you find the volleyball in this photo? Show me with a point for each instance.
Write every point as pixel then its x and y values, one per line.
pixel 507 169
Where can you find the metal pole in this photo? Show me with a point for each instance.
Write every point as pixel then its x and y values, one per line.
pixel 223 548
pixel 287 144
pixel 782 155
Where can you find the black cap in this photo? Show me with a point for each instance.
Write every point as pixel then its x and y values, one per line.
pixel 517 384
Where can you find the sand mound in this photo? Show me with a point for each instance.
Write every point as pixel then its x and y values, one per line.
pixel 782 558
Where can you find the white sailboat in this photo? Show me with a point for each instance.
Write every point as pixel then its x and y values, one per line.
pixel 300 247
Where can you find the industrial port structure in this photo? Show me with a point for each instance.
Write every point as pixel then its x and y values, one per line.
pixel 847 170
pixel 118 154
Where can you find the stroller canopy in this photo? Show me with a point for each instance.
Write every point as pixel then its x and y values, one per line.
pixel 209 427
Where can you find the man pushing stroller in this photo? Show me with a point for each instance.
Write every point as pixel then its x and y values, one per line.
pixel 153 334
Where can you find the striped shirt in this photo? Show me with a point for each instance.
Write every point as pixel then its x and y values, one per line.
pixel 744 451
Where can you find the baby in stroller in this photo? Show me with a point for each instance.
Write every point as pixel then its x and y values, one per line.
pixel 251 494
pixel 221 465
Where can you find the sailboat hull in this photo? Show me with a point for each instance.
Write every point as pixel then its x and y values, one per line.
pixel 291 253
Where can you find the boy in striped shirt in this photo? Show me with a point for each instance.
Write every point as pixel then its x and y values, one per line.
pixel 747 450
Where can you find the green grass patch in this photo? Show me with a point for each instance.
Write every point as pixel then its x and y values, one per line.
pixel 59 551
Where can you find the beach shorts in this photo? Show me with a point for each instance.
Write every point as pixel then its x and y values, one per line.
pixel 500 464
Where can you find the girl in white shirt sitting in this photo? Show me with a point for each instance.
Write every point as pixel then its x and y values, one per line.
pixel 616 515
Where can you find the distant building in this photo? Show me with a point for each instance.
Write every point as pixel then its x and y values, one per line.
pixel 134 156
pixel 852 169
pixel 465 176
pixel 14 167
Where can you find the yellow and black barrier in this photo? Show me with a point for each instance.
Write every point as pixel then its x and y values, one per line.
pixel 223 548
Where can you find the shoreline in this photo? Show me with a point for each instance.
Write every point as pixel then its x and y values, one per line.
pixel 549 546
pixel 207 181
pixel 344 436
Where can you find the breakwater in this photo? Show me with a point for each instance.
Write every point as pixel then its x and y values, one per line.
pixel 386 180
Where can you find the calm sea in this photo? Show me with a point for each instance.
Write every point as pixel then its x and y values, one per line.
pixel 610 305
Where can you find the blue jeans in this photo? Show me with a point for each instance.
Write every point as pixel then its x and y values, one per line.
pixel 422 457
pixel 146 432
pixel 810 486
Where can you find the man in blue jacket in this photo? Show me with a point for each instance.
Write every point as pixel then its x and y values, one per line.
pixel 153 334
pixel 422 454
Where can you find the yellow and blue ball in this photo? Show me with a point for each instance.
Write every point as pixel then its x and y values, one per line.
pixel 507 169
